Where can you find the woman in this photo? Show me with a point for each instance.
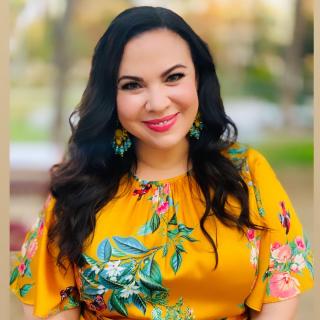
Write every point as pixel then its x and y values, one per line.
pixel 157 212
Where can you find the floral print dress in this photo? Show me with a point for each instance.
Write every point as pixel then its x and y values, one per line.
pixel 148 258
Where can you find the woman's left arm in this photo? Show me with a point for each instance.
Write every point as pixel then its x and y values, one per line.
pixel 283 310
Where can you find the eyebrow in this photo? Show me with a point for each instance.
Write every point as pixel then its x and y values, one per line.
pixel 162 74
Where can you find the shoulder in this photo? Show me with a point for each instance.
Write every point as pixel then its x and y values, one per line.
pixel 244 157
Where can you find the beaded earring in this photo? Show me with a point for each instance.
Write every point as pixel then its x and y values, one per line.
pixel 196 128
pixel 121 142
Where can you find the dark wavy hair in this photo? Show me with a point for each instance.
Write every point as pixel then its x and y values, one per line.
pixel 89 176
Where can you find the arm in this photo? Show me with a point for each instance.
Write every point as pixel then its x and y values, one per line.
pixel 72 314
pixel 283 310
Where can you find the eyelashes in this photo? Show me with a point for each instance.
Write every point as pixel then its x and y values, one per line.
pixel 133 85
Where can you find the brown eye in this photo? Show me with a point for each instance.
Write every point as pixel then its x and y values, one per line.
pixel 130 86
pixel 175 77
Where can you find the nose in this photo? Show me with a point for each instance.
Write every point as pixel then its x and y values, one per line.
pixel 157 100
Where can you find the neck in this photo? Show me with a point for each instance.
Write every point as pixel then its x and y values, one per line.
pixel 157 164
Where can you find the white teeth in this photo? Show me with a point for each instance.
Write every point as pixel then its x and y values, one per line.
pixel 161 123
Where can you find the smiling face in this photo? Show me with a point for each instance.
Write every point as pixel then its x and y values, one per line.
pixel 157 98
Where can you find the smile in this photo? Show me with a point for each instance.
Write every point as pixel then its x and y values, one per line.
pixel 163 124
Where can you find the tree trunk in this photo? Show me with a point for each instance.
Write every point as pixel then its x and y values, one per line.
pixel 292 78
pixel 62 64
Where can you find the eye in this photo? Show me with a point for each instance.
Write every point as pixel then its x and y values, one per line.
pixel 175 77
pixel 130 86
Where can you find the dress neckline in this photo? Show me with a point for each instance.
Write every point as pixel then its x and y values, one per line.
pixel 161 181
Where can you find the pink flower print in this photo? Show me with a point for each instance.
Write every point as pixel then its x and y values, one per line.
pixel 163 208
pixel 282 254
pixel 22 268
pixel 300 243
pixel 41 225
pixel 32 248
pixel 254 254
pixel 250 234
pixel 155 197
pixel 275 246
pixel 298 263
pixel 166 188
pixel 283 285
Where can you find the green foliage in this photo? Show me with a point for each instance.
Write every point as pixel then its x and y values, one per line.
pixel 284 153
pixel 261 82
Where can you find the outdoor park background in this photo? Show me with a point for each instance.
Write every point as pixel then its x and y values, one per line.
pixel 263 50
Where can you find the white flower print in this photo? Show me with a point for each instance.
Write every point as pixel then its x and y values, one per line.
pixel 298 263
pixel 155 197
pixel 129 290
pixel 95 269
pixel 114 269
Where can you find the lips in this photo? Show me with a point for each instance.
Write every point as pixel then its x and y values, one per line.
pixel 156 121
pixel 162 124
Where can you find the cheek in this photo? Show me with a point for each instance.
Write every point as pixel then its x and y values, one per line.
pixel 186 95
pixel 128 106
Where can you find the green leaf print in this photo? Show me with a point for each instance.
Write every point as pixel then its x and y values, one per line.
pixel 139 303
pixel 117 253
pixel 118 304
pixel 152 270
pixel 165 250
pixel 109 284
pixel 173 220
pixel 176 261
pixel 104 251
pixel 151 284
pixel 145 229
pixel 89 260
pixel 189 238
pixel 180 248
pixel 25 289
pixel 173 233
pixel 90 291
pixel 156 314
pixel 14 275
pixel 310 267
pixel 184 229
pixel 130 245
pixel 89 274
pixel 71 303
pixel 155 222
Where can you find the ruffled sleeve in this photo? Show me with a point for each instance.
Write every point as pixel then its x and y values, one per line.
pixel 285 260
pixel 36 279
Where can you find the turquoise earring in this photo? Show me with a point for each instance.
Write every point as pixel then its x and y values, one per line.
pixel 121 142
pixel 196 128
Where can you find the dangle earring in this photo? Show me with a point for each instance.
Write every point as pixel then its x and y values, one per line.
pixel 196 128
pixel 121 142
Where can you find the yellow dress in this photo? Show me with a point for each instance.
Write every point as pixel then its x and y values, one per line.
pixel 149 259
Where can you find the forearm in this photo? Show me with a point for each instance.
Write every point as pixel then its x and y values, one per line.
pixel 284 310
pixel 73 314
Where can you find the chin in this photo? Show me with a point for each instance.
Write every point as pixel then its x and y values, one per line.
pixel 165 144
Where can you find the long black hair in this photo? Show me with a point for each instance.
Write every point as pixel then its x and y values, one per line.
pixel 89 176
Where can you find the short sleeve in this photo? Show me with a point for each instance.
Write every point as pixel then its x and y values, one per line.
pixel 36 279
pixel 285 265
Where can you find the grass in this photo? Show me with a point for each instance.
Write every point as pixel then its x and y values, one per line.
pixel 288 153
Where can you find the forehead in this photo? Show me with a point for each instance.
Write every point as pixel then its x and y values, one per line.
pixel 157 50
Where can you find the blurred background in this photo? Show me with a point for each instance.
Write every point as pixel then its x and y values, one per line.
pixel 263 50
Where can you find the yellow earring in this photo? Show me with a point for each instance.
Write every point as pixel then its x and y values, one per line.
pixel 121 142
pixel 196 128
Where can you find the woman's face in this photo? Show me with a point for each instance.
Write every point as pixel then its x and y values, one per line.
pixel 157 98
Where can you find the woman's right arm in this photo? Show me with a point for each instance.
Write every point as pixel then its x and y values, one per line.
pixel 72 314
